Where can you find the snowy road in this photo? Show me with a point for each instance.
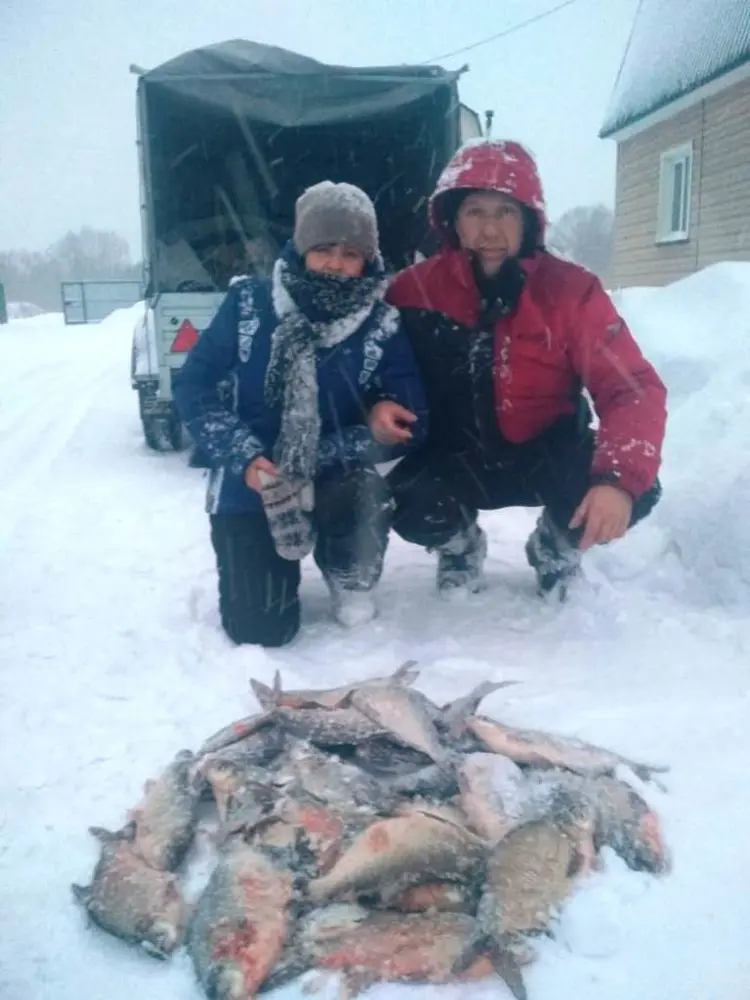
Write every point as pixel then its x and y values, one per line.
pixel 111 659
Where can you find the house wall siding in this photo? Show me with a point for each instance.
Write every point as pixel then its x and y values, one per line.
pixel 719 128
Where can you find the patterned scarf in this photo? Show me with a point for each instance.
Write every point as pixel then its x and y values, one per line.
pixel 315 310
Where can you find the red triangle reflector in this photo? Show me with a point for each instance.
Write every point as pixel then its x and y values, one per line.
pixel 186 337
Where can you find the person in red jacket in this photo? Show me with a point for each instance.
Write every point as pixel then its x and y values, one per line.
pixel 507 337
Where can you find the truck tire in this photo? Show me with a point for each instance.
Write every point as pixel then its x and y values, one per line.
pixel 153 432
pixel 176 431
pixel 162 427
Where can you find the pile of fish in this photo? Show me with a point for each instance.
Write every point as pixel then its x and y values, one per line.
pixel 367 831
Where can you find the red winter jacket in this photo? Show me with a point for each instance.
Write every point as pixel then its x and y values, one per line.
pixel 565 331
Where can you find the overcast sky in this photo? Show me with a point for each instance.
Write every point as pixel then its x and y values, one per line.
pixel 67 100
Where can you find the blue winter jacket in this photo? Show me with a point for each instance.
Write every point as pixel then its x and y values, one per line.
pixel 233 427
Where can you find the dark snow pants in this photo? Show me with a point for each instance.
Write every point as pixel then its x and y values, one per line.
pixel 438 494
pixel 259 591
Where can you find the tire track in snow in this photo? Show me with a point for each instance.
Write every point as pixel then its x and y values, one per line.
pixel 35 436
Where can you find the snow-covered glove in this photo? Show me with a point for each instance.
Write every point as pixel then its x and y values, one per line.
pixel 289 506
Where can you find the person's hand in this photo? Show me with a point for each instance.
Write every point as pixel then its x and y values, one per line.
pixel 259 464
pixel 389 422
pixel 605 511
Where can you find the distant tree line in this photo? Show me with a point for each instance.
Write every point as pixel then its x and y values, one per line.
pixel 89 254
pixel 583 234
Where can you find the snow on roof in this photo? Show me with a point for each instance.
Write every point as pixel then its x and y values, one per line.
pixel 675 47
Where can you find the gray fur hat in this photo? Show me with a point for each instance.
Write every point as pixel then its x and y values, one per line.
pixel 329 213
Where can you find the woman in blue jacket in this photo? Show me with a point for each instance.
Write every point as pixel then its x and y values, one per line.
pixel 322 385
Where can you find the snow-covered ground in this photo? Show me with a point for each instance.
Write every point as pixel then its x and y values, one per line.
pixel 111 658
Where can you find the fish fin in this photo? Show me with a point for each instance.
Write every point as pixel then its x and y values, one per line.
pixel 476 945
pixel 81 893
pixel 278 690
pixel 354 982
pixel 305 858
pixel 153 950
pixel 451 761
pixel 284 973
pixel 248 830
pixel 508 967
pixel 265 695
pixel 198 783
pixel 406 674
pixel 577 864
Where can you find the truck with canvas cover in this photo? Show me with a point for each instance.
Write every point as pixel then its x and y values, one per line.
pixel 228 137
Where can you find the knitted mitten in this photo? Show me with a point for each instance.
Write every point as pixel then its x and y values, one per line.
pixel 289 506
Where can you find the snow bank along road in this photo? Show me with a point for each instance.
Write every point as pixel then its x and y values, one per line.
pixel 111 657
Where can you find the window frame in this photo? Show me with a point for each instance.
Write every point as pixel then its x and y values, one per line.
pixel 668 162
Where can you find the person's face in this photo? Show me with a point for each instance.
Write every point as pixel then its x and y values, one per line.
pixel 335 259
pixel 491 225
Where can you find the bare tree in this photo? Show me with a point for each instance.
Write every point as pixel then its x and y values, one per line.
pixel 89 254
pixel 585 234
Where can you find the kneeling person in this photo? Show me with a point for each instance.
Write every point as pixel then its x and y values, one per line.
pixel 324 385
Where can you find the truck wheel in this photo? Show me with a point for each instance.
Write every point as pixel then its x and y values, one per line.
pixel 162 427
pixel 176 432
pixel 156 434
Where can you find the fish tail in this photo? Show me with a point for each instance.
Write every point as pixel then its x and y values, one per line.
pixel 266 696
pixel 105 836
pixel 647 773
pixel 507 966
pixel 407 673
pixel 81 893
pixel 456 713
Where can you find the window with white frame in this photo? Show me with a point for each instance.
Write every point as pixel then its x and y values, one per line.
pixel 675 184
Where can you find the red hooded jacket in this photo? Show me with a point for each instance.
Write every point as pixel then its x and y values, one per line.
pixel 564 333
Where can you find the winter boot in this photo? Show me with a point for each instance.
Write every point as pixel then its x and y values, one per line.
pixel 351 607
pixel 461 562
pixel 556 561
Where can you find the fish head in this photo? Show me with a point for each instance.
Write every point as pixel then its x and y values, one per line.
pixel 226 981
pixel 331 921
pixel 642 845
pixel 304 755
pixel 224 774
pixel 654 844
pixel 161 937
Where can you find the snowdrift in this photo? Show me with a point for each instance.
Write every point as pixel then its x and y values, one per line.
pixel 23 310
pixel 697 333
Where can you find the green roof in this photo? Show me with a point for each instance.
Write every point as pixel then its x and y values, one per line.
pixel 675 47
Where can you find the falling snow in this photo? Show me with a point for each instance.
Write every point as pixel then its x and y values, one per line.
pixel 112 658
